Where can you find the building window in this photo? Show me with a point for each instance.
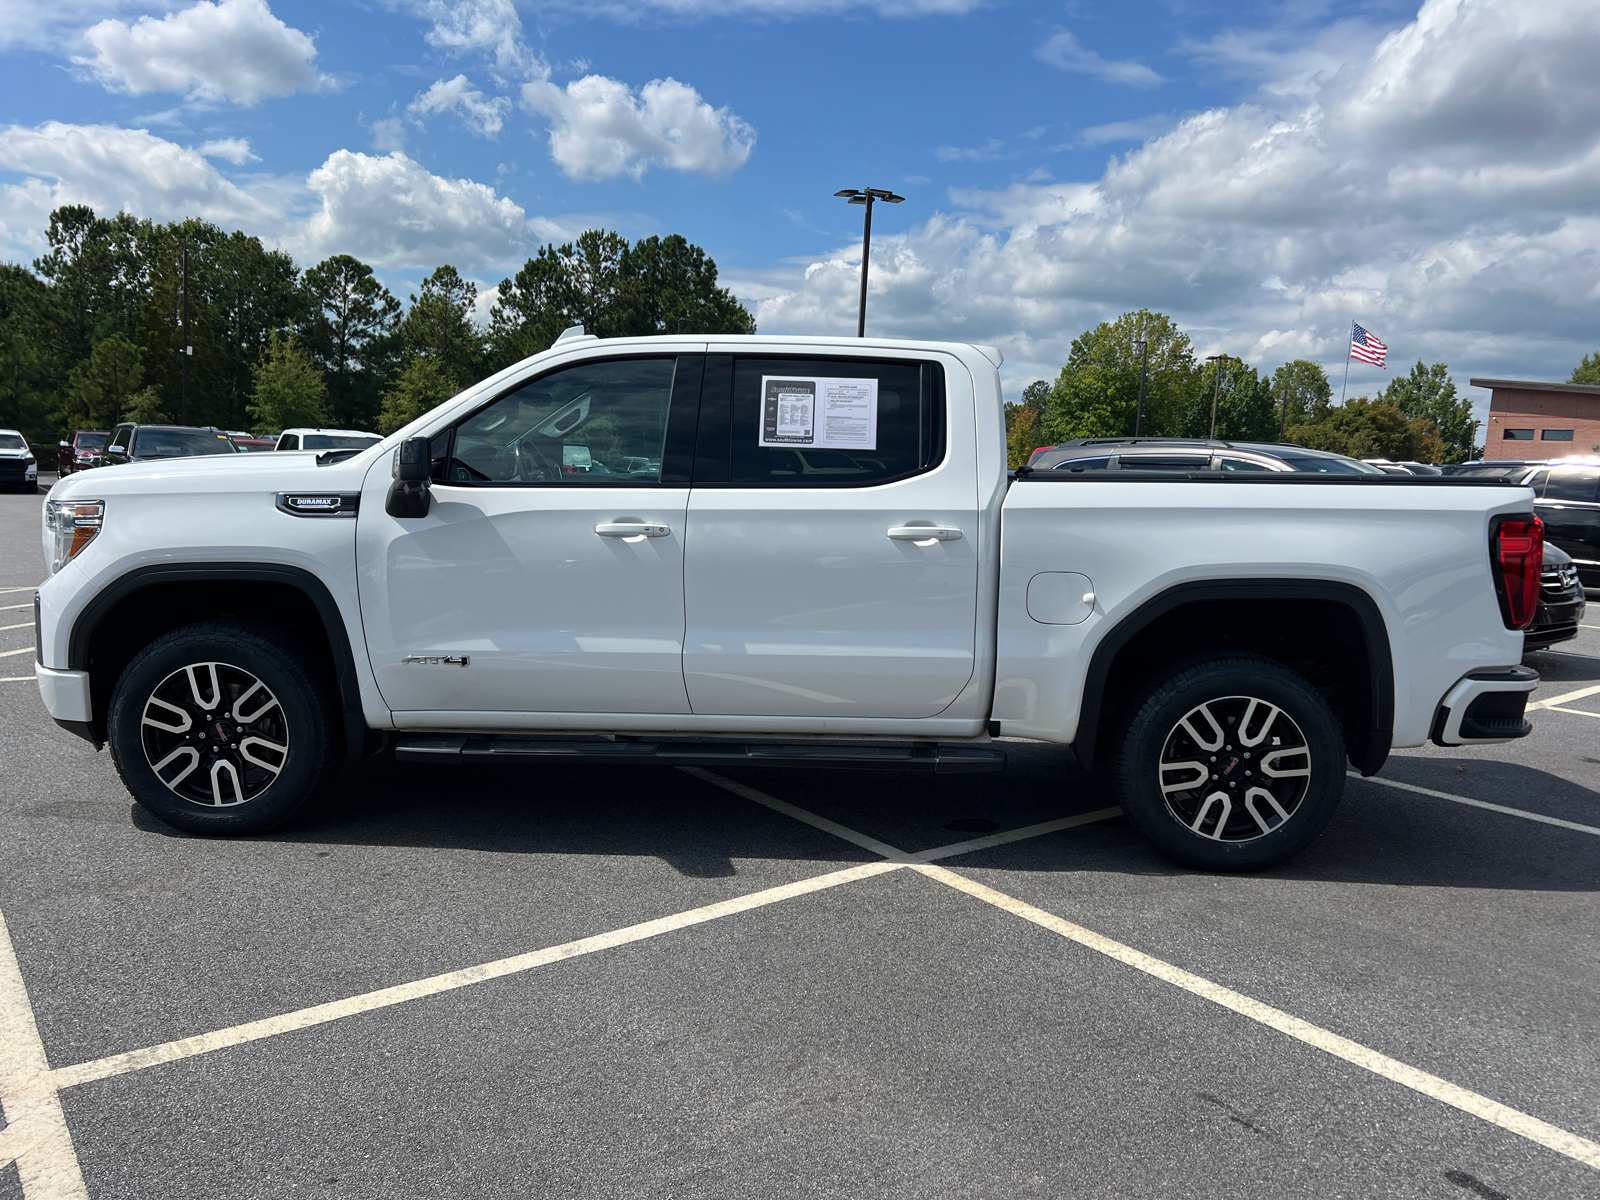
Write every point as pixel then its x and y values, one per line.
pixel 1556 435
pixel 1518 435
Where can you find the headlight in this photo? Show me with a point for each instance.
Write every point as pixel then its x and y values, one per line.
pixel 74 524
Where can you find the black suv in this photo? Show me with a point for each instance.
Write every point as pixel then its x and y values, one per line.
pixel 1190 454
pixel 137 443
pixel 1561 602
pixel 1567 498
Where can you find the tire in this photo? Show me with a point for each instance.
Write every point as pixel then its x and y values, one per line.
pixel 218 729
pixel 1251 711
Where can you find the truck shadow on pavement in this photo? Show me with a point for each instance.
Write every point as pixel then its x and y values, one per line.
pixel 1379 836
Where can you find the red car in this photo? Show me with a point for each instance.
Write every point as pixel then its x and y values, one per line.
pixel 254 444
pixel 79 450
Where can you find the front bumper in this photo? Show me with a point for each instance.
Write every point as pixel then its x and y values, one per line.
pixel 1485 707
pixel 65 693
pixel 1555 620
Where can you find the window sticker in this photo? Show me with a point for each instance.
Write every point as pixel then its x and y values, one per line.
pixel 825 413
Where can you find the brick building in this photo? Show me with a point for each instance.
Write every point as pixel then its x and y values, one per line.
pixel 1541 420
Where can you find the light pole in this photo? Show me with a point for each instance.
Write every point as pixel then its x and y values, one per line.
pixel 1216 390
pixel 866 196
pixel 1144 370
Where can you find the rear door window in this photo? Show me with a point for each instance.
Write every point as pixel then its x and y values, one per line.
pixel 826 422
pixel 1573 484
pixel 1075 465
pixel 1164 462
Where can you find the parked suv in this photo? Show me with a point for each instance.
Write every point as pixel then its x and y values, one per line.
pixel 79 450
pixel 19 470
pixel 136 443
pixel 326 439
pixel 1565 496
pixel 1191 454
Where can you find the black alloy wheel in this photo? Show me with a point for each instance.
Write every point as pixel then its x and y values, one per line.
pixel 1233 763
pixel 220 728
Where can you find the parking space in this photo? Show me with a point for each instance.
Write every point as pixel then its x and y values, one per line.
pixel 587 981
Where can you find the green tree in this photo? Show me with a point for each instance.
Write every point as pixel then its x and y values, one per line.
pixel 1588 371
pixel 24 394
pixel 612 289
pixel 348 326
pixel 288 389
pixel 1305 387
pixel 99 390
pixel 1244 403
pixel 1097 392
pixel 668 281
pixel 1023 431
pixel 420 385
pixel 1429 392
pixel 1366 428
pixel 439 326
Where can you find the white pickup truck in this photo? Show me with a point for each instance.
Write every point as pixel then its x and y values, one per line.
pixel 801 551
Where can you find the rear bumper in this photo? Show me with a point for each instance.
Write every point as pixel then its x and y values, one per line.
pixel 1485 707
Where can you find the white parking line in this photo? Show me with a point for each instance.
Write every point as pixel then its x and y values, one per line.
pixel 321 1014
pixel 1565 696
pixel 9 653
pixel 34 588
pixel 9 607
pixel 1576 712
pixel 1551 1136
pixel 1524 1125
pixel 19 678
pixel 1499 808
pixel 29 625
pixel 36 1137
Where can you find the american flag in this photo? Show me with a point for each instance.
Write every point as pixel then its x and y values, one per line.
pixel 1367 347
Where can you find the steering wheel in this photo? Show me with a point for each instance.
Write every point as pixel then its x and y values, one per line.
pixel 533 466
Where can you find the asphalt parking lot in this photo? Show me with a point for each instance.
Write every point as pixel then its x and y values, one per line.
pixel 644 982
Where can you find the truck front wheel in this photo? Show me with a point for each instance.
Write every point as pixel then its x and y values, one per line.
pixel 1232 764
pixel 218 729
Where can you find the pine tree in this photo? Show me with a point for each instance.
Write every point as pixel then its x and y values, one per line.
pixel 288 390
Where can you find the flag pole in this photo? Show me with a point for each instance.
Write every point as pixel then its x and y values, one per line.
pixel 1347 347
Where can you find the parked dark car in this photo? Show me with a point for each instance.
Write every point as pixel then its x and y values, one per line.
pixel 79 450
pixel 1190 454
pixel 139 443
pixel 1561 602
pixel 19 468
pixel 1567 498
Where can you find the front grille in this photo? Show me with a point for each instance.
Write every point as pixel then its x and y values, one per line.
pixel 1556 581
pixel 13 468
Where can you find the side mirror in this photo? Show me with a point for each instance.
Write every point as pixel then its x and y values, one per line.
pixel 410 494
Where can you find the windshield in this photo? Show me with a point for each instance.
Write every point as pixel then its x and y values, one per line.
pixel 10 441
pixel 332 441
pixel 91 441
pixel 1329 465
pixel 180 443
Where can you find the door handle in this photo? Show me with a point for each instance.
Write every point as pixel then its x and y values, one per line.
pixel 631 529
pixel 924 535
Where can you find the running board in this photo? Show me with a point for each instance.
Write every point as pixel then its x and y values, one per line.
pixel 931 757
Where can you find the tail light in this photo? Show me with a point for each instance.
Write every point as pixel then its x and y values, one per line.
pixel 1517 546
pixel 1038 450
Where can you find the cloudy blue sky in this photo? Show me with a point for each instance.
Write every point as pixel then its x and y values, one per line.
pixel 1262 171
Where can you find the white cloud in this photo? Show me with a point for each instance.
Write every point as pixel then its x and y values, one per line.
pixel 388 210
pixel 599 129
pixel 1063 52
pixel 479 113
pixel 489 27
pixel 111 168
pixel 1123 131
pixel 987 152
pixel 232 50
pixel 1445 190
pixel 639 9
pixel 391 211
pixel 234 150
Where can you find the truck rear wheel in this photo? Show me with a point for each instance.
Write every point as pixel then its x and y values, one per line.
pixel 218 729
pixel 1232 764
